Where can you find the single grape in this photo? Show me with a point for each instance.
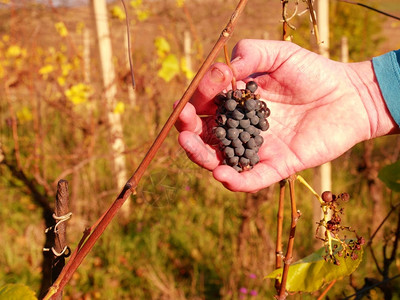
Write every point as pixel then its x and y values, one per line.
pixel 263 124
pixel 251 129
pixel 244 123
pixel 258 140
pixel 220 132
pixel 229 152
pixel 237 168
pixel 239 150
pixel 237 94
pixel 229 94
pixel 234 160
pixel 254 120
pixel 267 112
pixel 236 143
pixel 225 142
pixel 232 123
pixel 244 136
pixel 219 99
pixel 327 196
pixel 232 134
pixel 256 132
pixel 255 159
pixel 251 144
pixel 249 153
pixel 251 86
pixel 250 114
pixel 250 104
pixel 237 114
pixel 230 105
pixel 244 162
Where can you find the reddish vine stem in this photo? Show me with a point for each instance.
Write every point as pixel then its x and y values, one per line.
pixel 278 247
pixel 326 290
pixel 289 251
pixel 132 183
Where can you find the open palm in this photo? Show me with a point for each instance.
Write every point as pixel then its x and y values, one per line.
pixel 319 109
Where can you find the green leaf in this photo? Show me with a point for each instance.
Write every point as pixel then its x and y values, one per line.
pixel 16 292
pixel 390 175
pixel 169 68
pixel 312 272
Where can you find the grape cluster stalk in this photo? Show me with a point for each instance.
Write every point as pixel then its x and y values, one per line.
pixel 240 117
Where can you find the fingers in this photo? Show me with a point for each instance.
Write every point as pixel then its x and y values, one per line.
pixel 214 81
pixel 253 56
pixel 251 181
pixel 199 152
pixel 188 120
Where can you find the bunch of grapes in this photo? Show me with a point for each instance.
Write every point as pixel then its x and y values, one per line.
pixel 241 116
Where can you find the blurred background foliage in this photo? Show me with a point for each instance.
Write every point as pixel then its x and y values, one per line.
pixel 186 237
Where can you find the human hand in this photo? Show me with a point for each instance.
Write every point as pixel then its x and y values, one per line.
pixel 319 109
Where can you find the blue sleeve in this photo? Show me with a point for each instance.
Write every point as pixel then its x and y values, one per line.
pixel 387 71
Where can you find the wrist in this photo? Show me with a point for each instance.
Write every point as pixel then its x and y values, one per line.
pixel 380 119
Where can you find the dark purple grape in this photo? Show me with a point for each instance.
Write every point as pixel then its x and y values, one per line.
pixel 229 152
pixel 225 142
pixel 263 124
pixel 251 86
pixel 244 136
pixel 232 123
pixel 237 114
pixel 229 94
pixel 267 112
pixel 244 162
pixel 230 105
pixel 244 123
pixel 250 104
pixel 251 129
pixel 254 120
pixel 232 134
pixel 237 168
pixel 239 150
pixel 249 153
pixel 220 132
pixel 234 160
pixel 219 99
pixel 251 144
pixel 250 114
pixel 255 159
pixel 256 132
pixel 237 94
pixel 258 140
pixel 236 143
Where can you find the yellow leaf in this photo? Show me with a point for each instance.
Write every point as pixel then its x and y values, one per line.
pixel 78 93
pixel 119 108
pixel 6 38
pixel 180 3
pixel 169 68
pixel 24 115
pixel 61 29
pixel 162 46
pixel 46 70
pixel 61 81
pixel 14 51
pixel 143 15
pixel 117 13
pixel 136 3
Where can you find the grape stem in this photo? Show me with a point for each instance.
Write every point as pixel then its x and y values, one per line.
pixel 228 63
pixel 91 236
pixel 324 208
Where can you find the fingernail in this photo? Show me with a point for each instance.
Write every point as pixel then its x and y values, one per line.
pixel 216 75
